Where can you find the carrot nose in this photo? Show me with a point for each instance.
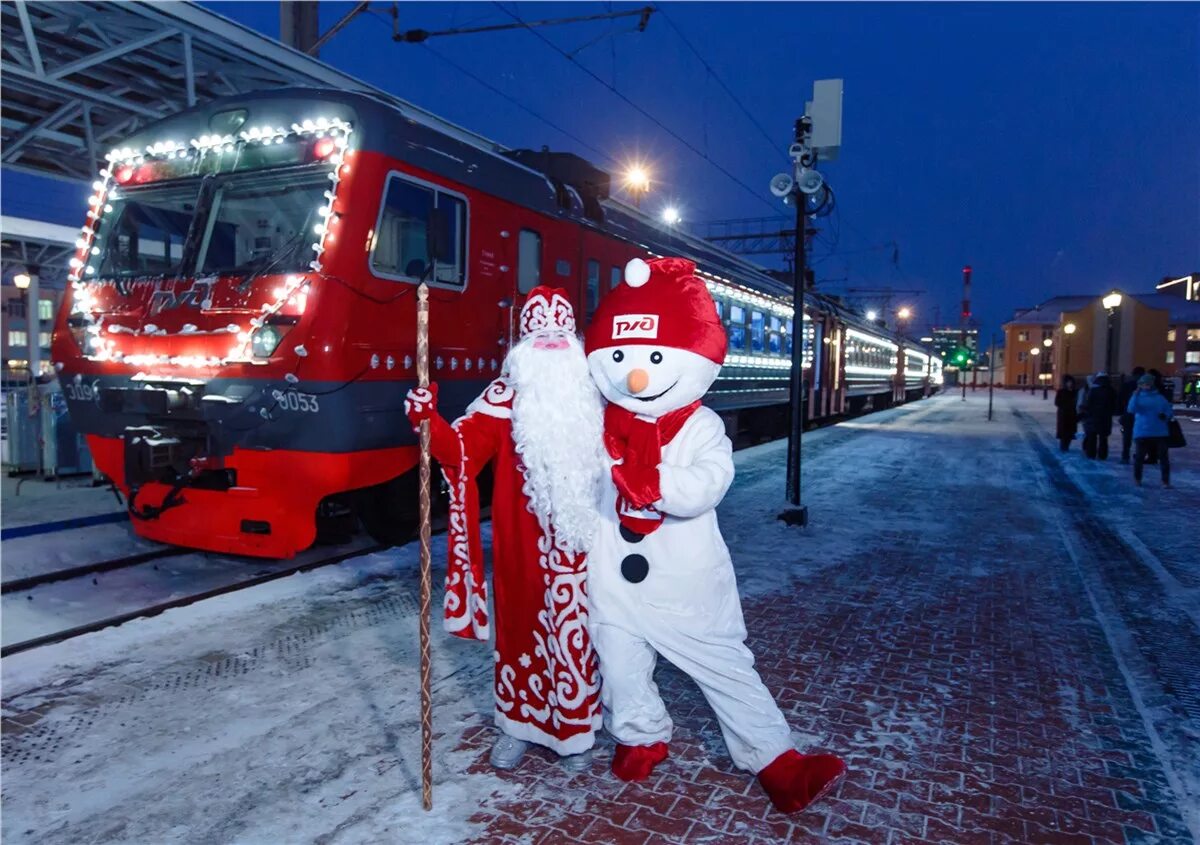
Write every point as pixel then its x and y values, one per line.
pixel 637 380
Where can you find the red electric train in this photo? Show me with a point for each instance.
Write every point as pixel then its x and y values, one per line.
pixel 240 330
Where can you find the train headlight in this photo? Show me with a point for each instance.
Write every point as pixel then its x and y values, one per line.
pixel 266 340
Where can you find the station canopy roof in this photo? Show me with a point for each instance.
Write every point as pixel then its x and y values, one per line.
pixel 78 77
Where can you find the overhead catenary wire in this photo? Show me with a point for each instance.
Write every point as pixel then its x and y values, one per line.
pixel 639 109
pixel 773 143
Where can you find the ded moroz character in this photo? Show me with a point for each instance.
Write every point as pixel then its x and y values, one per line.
pixel 539 426
pixel 660 578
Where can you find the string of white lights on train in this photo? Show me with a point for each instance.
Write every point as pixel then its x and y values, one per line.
pixel 295 288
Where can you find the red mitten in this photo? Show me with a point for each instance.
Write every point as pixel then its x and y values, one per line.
pixel 421 404
pixel 636 762
pixel 794 780
pixel 638 485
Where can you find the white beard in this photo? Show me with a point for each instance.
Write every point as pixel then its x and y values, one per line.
pixel 558 430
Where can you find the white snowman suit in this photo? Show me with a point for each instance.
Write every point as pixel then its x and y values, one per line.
pixel 672 592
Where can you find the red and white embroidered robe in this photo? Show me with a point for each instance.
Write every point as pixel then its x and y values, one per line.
pixel 547 682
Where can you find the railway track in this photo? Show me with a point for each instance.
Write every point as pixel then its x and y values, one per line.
pixel 177 601
pixel 17 585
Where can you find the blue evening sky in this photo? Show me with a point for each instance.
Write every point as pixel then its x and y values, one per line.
pixel 1055 147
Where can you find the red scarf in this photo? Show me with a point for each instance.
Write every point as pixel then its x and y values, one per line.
pixel 639 443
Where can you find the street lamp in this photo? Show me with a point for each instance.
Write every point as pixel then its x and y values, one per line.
pixel 872 316
pixel 1033 353
pixel 1111 303
pixel 21 280
pixel 903 314
pixel 670 215
pixel 637 182
pixel 1046 364
pixel 1068 330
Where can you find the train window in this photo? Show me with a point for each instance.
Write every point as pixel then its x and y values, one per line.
pixel 261 222
pixel 400 248
pixel 737 328
pixel 787 337
pixel 593 286
pixel 757 331
pixel 145 231
pixel 774 341
pixel 529 260
pixel 614 277
pixel 562 267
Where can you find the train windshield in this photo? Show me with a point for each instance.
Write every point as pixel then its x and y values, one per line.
pixel 262 223
pixel 144 231
pixel 231 224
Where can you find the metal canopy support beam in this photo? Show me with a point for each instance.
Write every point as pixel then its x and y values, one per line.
pixel 111 53
pixel 13 148
pixel 79 91
pixel 189 70
pixel 89 136
pixel 35 55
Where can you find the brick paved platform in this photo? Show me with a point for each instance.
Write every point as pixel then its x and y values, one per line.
pixel 955 659
pixel 1002 642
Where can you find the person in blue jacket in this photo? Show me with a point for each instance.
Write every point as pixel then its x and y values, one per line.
pixel 1150 411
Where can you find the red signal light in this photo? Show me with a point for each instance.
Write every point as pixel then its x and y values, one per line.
pixel 124 173
pixel 324 147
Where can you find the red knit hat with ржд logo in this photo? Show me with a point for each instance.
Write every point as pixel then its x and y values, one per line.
pixel 661 303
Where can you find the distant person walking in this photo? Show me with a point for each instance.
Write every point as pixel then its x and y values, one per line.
pixel 1128 387
pixel 1191 392
pixel 1068 419
pixel 1099 408
pixel 1151 412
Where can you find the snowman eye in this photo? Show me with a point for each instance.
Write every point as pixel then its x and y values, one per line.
pixel 618 355
pixel 656 357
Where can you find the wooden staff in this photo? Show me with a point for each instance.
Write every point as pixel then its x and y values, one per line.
pixel 426 695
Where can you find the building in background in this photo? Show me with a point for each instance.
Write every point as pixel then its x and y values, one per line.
pixel 1112 332
pixel 22 326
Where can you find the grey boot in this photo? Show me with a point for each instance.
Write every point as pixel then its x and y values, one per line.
pixel 507 752
pixel 576 763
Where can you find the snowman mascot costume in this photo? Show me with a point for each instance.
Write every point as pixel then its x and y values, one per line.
pixel 660 578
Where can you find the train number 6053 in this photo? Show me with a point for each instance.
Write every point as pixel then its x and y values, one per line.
pixel 292 401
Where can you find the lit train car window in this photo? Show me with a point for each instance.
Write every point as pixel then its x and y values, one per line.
pixel 593 286
pixel 401 247
pixel 145 231
pixel 757 331
pixel 529 260
pixel 614 277
pixel 774 341
pixel 262 221
pixel 787 338
pixel 737 328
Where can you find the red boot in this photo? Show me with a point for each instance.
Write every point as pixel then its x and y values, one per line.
pixel 636 762
pixel 794 780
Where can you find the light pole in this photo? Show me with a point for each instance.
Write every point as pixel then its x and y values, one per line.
pixel 1111 303
pixel 1047 342
pixel 1068 330
pixel 27 283
pixel 637 182
pixel 1033 354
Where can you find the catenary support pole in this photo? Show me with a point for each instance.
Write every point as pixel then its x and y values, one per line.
pixel 797 514
pixel 991 372
pixel 426 587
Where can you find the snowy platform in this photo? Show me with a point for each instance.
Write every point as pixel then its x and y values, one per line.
pixel 28 500
pixel 1002 642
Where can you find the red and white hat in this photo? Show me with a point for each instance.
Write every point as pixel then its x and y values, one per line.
pixel 662 303
pixel 547 309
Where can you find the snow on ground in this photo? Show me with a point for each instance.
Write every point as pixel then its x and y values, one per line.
pixel 288 712
pixel 29 500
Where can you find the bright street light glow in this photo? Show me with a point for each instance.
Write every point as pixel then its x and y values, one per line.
pixel 1035 351
pixel 1113 300
pixel 21 280
pixel 670 215
pixel 1069 328
pixel 904 313
pixel 637 178
pixel 872 316
pixel 1047 343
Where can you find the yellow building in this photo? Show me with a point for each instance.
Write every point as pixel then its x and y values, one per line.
pixel 1112 332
